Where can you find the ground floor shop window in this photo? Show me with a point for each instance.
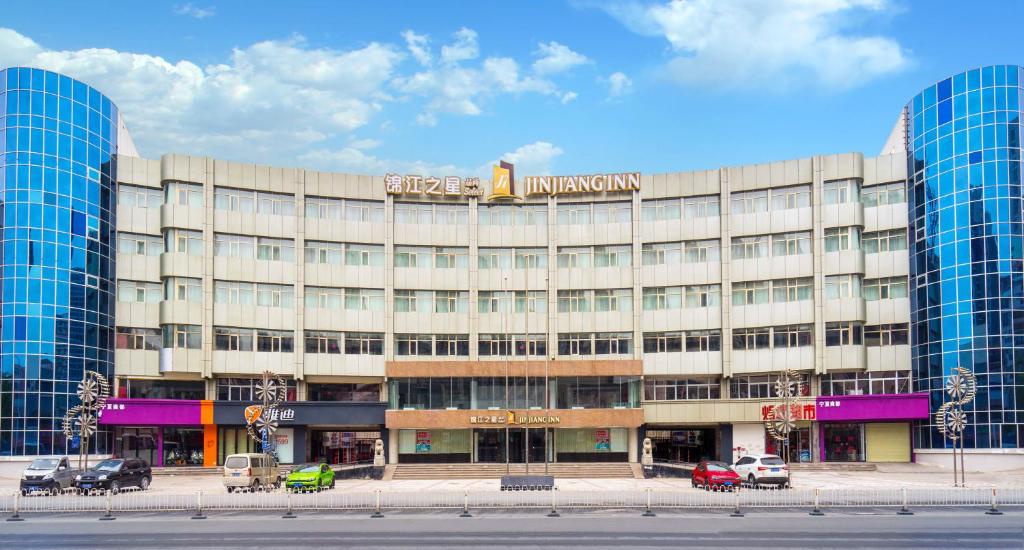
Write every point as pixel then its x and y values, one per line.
pixel 434 446
pixel 843 442
pixel 592 445
pixel 183 446
pixel 138 443
pixel 799 448
pixel 684 444
pixel 342 447
pixel 234 441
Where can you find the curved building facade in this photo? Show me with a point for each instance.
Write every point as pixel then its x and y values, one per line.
pixel 58 144
pixel 967 249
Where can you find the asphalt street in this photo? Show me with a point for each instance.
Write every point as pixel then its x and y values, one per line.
pixel 927 529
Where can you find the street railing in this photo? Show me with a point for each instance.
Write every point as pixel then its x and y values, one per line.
pixel 648 500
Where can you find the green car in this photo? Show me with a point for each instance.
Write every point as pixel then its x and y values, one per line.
pixel 310 477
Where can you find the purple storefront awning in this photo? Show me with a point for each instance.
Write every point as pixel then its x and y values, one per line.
pixel 152 412
pixel 850 408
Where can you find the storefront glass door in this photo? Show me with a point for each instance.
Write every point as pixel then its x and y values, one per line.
pixel 844 442
pixel 490 445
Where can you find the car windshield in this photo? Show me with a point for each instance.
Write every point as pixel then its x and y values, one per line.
pixel 717 467
pixel 109 465
pixel 44 464
pixel 236 462
pixel 772 461
pixel 308 468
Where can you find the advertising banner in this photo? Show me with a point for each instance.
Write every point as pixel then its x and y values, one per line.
pixel 422 442
pixel 602 440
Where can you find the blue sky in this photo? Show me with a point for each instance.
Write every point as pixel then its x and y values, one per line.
pixel 556 87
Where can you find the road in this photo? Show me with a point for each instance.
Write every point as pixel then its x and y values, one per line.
pixel 959 529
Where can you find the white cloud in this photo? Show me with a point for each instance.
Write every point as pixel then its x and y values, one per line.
pixel 556 58
pixel 419 47
pixel 757 44
pixel 533 159
pixel 619 84
pixel 364 144
pixel 568 97
pixel 266 102
pixel 463 49
pixel 194 11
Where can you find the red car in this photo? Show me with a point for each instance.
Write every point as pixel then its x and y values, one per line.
pixel 711 474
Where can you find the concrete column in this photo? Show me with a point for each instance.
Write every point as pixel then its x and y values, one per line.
pixel 389 278
pixel 818 243
pixel 391 447
pixel 208 226
pixel 299 346
pixel 725 254
pixel 633 445
pixel 474 278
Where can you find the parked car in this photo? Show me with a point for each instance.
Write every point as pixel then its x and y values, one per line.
pixel 51 475
pixel 760 469
pixel 711 474
pixel 115 474
pixel 310 477
pixel 253 471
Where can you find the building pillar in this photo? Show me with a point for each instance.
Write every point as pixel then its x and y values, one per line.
pixel 391 450
pixel 633 445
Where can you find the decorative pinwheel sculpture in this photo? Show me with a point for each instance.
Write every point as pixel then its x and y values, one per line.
pixel 261 419
pixel 81 420
pixel 951 417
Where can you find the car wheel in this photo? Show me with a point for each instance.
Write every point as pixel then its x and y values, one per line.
pixel 144 483
pixel 55 490
pixel 231 489
pixel 24 492
pixel 752 481
pixel 332 483
pixel 115 487
pixel 255 485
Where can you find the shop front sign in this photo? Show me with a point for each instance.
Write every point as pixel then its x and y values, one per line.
pixel 797 411
pixel 511 418
pixel 849 408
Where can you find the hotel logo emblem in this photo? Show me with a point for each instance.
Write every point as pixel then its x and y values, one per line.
pixel 503 182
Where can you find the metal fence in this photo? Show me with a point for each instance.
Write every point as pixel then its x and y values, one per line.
pixel 558 500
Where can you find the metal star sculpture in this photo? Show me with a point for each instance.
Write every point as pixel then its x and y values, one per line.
pixel 81 420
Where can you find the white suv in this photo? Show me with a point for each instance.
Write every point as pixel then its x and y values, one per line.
pixel 762 469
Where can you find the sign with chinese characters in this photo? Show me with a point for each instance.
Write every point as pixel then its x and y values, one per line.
pixel 423 443
pixel 799 412
pixel 450 186
pixel 510 418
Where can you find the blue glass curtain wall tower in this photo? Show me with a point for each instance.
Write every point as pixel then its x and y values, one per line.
pixel 58 145
pixel 967 249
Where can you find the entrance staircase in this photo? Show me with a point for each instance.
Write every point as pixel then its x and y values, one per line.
pixel 589 470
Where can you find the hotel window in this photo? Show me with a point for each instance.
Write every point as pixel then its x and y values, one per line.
pixel 698 252
pixel 268 295
pixel 139 197
pixel 413 256
pixel 785 198
pixel 451 214
pixel 706 206
pixel 244 389
pixel 885 288
pixel 749 248
pixel 887 193
pixel 842 286
pixel 413 344
pixel 139 291
pixel 450 258
pixel 756 387
pixel 538 344
pixel 324 298
pixel 842 238
pixel 537 302
pixel 318 252
pixel 750 338
pixel 662 253
pixel 138 338
pixel 320 341
pixel 358 254
pixel 495 215
pixel 494 345
pixel 183 289
pixel 450 301
pixel 364 211
pixel 703 340
pixel 792 290
pixel 274 341
pixel 183 336
pixel 663 342
pixel 230 292
pixel 324 208
pixel 494 301
pixel 885 241
pixel 613 299
pixel 494 258
pixel 749 202
pixel 860 383
pixel 364 343
pixel 531 258
pixel 662 297
pixel 792 336
pixel 234 200
pixel 184 241
pixel 276 250
pixel 531 215
pixel 232 339
pixel 613 212
pixel 573 214
pixel 574 301
pixel 413 301
pixel 846 333
pixel 840 192
pixel 750 293
pixel 277 204
pixel 574 257
pixel 703 296
pixel 413 213
pixel 139 245
pixel 574 343
pixel 790 244
pixel 682 389
pixel 613 343
pixel 613 256
pixel 183 194
pixel 886 335
pixel 451 345
pixel 661 209
pixel 234 246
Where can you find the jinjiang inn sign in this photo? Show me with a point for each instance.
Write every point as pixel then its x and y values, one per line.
pixel 503 184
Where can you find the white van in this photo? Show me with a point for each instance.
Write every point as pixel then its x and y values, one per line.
pixel 253 471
